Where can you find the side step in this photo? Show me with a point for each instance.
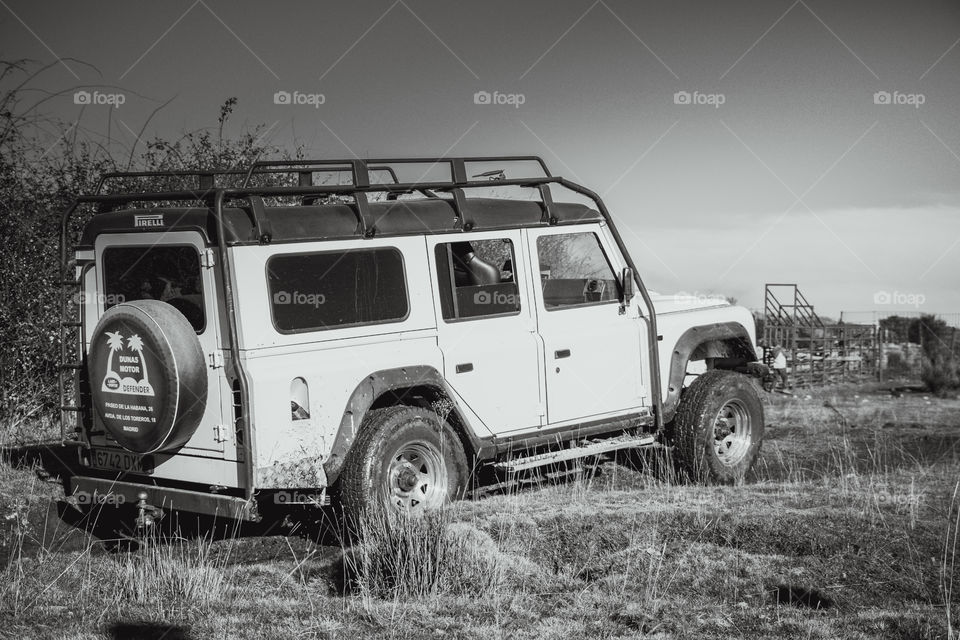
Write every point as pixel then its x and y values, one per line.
pixel 592 448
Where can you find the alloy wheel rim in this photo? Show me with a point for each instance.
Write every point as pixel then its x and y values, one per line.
pixel 732 431
pixel 417 477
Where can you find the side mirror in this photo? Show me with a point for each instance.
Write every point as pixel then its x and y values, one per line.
pixel 627 286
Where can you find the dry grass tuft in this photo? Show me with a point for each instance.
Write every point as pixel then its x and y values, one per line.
pixel 173 574
pixel 397 556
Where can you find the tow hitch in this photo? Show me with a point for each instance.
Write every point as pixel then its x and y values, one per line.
pixel 147 514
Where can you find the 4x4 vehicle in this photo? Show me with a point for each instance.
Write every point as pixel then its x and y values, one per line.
pixel 309 328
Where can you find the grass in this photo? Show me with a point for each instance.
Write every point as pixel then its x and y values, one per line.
pixel 847 528
pixel 168 575
pixel 398 557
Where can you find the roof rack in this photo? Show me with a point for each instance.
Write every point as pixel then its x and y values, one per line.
pixel 360 183
pixel 210 194
pixel 360 168
pixel 207 179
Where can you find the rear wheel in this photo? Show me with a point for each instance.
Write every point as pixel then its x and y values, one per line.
pixel 719 428
pixel 405 459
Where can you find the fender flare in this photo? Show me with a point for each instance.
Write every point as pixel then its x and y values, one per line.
pixel 371 388
pixel 688 342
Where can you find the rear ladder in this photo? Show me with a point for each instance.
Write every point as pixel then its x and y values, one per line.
pixel 71 349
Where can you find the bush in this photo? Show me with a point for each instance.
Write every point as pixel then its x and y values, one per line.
pixel 941 372
pixel 397 555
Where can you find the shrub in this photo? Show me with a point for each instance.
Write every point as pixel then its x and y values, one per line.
pixel 941 372
pixel 396 555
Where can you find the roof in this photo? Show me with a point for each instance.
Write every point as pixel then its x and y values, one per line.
pixel 340 221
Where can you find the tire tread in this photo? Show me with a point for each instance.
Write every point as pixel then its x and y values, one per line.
pixel 692 416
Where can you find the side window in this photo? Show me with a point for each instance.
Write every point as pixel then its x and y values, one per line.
pixel 316 291
pixel 574 271
pixel 477 279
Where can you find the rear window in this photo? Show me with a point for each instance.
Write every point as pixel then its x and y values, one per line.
pixel 169 273
pixel 316 291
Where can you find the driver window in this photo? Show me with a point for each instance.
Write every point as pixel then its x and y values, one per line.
pixel 574 271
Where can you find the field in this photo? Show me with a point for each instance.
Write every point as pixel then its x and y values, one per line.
pixel 847 529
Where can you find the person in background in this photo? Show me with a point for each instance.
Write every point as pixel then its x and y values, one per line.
pixel 780 364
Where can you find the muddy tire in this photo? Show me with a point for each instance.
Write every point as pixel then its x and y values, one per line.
pixel 405 459
pixel 718 429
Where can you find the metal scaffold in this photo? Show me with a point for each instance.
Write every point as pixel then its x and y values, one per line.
pixel 817 353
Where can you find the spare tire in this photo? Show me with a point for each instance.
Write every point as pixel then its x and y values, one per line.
pixel 148 378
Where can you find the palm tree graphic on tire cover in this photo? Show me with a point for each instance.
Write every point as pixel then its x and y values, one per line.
pixel 115 342
pixel 135 343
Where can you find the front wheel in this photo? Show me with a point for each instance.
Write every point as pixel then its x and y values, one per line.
pixel 719 427
pixel 406 460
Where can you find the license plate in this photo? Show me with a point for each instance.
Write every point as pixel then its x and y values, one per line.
pixel 120 461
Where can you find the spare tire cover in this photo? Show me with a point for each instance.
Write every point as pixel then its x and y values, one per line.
pixel 148 378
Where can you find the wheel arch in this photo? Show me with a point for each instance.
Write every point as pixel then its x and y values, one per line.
pixel 728 345
pixel 419 386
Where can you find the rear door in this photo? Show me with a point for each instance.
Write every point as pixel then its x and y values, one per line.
pixel 175 268
pixel 591 347
pixel 486 328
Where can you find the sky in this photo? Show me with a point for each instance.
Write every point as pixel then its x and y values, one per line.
pixel 736 143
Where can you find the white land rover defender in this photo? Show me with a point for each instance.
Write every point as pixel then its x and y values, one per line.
pixel 378 331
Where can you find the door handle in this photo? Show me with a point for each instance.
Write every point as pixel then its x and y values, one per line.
pixel 466 367
pixel 561 353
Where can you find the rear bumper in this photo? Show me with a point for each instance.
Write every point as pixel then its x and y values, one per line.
pixel 104 491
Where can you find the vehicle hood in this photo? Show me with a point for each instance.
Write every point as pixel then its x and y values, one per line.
pixel 683 301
